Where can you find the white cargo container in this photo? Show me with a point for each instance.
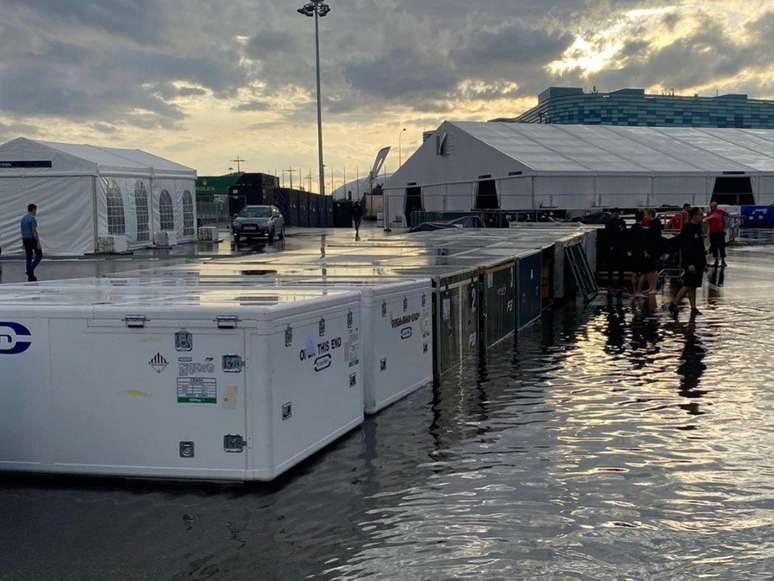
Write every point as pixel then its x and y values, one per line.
pixel 396 315
pixel 235 384
pixel 397 324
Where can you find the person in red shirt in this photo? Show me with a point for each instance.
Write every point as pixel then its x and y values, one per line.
pixel 679 220
pixel 716 220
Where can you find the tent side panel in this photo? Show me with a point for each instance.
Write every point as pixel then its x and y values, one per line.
pixel 575 192
pixel 765 194
pixel 678 190
pixel 515 193
pixel 181 187
pixel 64 213
pixel 161 184
pixel 625 191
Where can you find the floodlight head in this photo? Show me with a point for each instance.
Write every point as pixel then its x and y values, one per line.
pixel 307 9
pixel 324 9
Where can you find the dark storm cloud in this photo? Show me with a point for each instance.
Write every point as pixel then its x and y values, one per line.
pixel 508 49
pixel 130 61
pixel 401 73
pixel 141 20
pixel 270 41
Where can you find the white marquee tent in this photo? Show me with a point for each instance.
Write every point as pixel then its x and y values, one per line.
pixel 518 166
pixel 86 193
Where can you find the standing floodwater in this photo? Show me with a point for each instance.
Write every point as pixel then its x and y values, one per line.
pixel 610 442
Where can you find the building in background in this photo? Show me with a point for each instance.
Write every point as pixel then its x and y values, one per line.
pixel 251 189
pixel 212 198
pixel 570 105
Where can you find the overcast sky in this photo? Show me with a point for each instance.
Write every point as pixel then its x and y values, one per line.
pixel 201 81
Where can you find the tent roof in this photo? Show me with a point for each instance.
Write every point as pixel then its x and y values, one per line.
pixel 608 148
pixel 105 159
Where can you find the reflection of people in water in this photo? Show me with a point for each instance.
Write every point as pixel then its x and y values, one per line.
pixel 718 276
pixel 691 368
pixel 645 340
pixel 616 326
pixel 717 279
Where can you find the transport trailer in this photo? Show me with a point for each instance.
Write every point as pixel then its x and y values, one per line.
pixel 176 382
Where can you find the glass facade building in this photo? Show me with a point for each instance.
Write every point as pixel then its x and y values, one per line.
pixel 568 105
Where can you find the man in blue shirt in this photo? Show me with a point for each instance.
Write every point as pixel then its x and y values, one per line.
pixel 31 241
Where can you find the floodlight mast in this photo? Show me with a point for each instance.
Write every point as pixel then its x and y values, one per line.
pixel 317 9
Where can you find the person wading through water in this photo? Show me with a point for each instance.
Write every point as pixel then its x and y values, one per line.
pixel 693 258
pixel 716 219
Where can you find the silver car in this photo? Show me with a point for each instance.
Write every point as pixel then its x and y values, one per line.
pixel 255 221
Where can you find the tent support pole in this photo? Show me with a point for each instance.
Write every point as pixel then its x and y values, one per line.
pixel 94 210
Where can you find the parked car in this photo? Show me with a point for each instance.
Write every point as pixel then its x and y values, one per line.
pixel 255 221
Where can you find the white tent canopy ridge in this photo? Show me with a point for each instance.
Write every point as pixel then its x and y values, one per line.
pixel 93 198
pixel 465 166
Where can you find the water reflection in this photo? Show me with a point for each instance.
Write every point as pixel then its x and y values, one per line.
pixel 691 368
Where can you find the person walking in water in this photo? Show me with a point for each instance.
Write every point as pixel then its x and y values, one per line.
pixel 650 245
pixel 716 219
pixel 616 242
pixel 694 262
pixel 357 217
pixel 31 241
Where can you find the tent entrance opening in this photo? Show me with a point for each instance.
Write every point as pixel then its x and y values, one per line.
pixel 413 201
pixel 486 196
pixel 733 191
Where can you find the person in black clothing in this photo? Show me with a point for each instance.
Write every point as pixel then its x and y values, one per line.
pixel 650 243
pixel 634 251
pixel 615 230
pixel 694 261
pixel 357 217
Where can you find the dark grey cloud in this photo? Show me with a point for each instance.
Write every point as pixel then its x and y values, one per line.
pixel 130 61
pixel 508 49
pixel 143 21
pixel 269 42
pixel 401 72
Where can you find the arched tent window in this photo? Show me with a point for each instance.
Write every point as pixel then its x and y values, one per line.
pixel 166 211
pixel 141 207
pixel 115 209
pixel 188 214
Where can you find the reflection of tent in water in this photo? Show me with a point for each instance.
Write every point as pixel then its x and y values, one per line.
pixel 87 193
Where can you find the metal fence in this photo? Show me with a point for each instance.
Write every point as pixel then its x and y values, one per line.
pixel 213 213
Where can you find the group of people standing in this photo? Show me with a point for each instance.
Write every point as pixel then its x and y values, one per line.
pixel 641 248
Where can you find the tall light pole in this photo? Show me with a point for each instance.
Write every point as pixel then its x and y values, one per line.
pixel 400 153
pixel 318 9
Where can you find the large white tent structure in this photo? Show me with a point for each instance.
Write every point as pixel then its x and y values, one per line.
pixel 88 195
pixel 515 166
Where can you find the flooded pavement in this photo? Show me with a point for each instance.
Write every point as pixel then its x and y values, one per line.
pixel 608 442
pixel 12 267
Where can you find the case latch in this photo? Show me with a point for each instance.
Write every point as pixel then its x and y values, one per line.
pixel 135 321
pixel 227 322
pixel 234 443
